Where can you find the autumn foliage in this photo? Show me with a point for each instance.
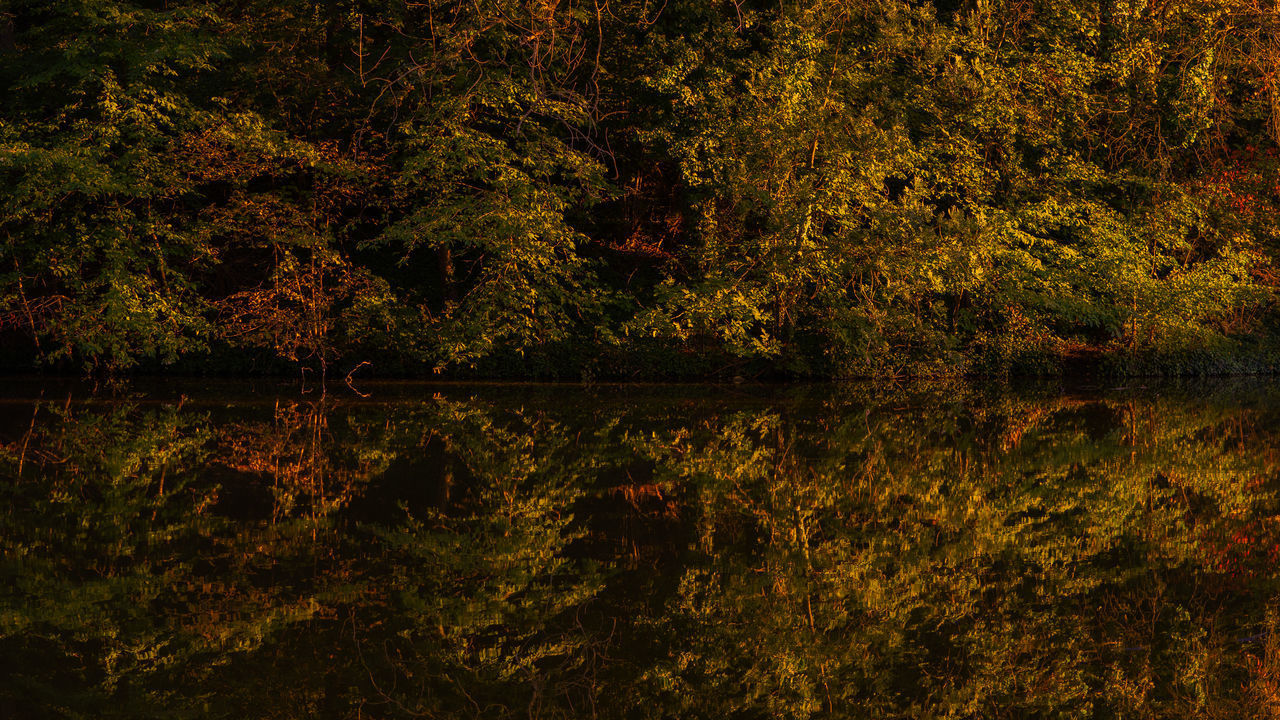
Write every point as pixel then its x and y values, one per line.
pixel 628 189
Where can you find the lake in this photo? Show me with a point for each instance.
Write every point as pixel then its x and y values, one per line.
pixel 945 550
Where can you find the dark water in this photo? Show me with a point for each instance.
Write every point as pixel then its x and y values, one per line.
pixel 936 551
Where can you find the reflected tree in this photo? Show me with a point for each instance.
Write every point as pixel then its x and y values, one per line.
pixel 931 551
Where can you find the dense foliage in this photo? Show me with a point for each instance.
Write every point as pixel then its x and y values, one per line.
pixel 932 553
pixel 605 188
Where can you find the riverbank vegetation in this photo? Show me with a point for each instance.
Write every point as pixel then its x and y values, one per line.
pixel 632 188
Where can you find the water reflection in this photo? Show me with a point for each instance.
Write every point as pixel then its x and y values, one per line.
pixel 931 551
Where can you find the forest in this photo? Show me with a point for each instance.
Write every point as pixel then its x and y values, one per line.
pixel 640 189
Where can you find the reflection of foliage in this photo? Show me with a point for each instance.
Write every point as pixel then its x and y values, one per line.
pixel 925 553
pixel 92 540
pixel 933 558
pixel 482 594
